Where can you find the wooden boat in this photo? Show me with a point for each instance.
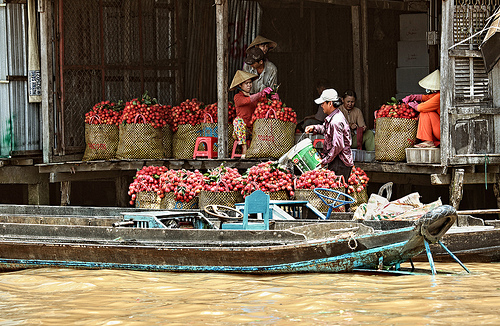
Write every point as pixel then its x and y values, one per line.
pixel 188 241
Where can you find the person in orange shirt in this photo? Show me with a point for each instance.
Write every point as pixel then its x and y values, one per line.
pixel 429 127
pixel 245 104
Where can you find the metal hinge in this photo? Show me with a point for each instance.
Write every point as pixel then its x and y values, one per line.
pixel 432 38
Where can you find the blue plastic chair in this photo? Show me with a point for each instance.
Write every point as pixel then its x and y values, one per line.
pixel 338 199
pixel 256 203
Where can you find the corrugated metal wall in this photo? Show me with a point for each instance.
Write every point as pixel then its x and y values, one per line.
pixel 19 120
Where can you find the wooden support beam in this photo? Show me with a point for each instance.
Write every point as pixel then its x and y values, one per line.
pixel 47 71
pixel 65 193
pixel 21 175
pixel 22 161
pixel 365 99
pixel 412 179
pixel 412 6
pixel 456 187
pixel 221 13
pixel 469 178
pixel 85 176
pixel 447 78
pixel 356 53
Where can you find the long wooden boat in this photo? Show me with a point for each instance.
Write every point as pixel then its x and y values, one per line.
pixel 188 241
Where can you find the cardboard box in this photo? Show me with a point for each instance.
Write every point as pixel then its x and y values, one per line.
pixel 413 54
pixel 407 79
pixel 412 27
pixel 423 155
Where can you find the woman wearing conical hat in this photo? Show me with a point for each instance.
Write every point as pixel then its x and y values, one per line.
pixel 256 62
pixel 429 127
pixel 245 104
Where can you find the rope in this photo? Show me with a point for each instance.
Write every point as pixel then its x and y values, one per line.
pixel 486 27
pixel 352 239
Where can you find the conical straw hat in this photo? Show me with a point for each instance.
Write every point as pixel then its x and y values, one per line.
pixel 431 81
pixel 239 77
pixel 261 40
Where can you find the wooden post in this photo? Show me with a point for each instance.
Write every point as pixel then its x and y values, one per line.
pixel 356 57
pixel 46 57
pixel 456 187
pixel 65 193
pixel 364 51
pixel 447 83
pixel 222 78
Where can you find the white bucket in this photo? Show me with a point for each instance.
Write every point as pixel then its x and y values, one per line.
pixel 304 156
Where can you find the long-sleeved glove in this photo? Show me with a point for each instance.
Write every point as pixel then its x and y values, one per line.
pixel 413 97
pixel 256 97
pixel 275 97
pixel 267 90
pixel 413 105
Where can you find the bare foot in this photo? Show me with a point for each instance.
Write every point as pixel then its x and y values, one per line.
pixel 426 144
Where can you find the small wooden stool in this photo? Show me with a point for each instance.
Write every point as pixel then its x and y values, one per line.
pixel 234 155
pixel 209 143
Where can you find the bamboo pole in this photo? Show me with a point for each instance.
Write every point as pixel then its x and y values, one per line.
pixel 479 211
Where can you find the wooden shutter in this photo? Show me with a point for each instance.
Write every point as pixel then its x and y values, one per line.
pixel 471 79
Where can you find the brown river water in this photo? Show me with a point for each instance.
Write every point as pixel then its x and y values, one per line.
pixel 109 297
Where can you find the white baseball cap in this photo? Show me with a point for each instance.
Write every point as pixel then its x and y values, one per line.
pixel 328 95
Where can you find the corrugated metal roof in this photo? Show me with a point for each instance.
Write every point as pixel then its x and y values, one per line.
pixel 19 120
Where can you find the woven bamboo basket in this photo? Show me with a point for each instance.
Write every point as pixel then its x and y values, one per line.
pixel 359 198
pixel 313 199
pixel 220 198
pixel 148 199
pixel 278 195
pixel 169 202
pixel 101 142
pixel 392 137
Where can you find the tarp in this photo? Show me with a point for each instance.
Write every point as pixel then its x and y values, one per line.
pixel 490 48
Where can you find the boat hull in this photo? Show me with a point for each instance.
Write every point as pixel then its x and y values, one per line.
pixel 310 247
pixel 227 252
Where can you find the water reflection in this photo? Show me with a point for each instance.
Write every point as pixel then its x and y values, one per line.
pixel 106 297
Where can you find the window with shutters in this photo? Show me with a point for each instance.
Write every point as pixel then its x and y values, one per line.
pixel 471 79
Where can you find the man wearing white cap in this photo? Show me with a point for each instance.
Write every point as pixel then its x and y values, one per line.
pixel 337 154
pixel 429 126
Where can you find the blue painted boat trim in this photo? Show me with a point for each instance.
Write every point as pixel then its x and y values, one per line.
pixel 331 264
